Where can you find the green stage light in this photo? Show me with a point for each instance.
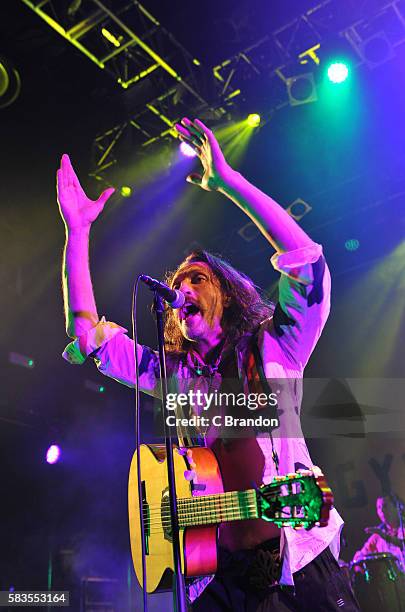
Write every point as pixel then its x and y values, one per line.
pixel 352 244
pixel 338 72
pixel 10 83
pixel 21 360
pixel 253 120
pixel 126 191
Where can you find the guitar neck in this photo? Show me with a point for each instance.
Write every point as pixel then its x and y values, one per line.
pixel 218 508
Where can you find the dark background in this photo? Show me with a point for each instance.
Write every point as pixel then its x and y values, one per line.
pixel 345 157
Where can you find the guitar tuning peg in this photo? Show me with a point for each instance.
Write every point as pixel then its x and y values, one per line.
pixel 189 474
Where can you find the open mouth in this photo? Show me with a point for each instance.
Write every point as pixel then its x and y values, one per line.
pixel 189 310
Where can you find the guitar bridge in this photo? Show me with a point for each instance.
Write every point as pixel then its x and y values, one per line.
pixel 146 517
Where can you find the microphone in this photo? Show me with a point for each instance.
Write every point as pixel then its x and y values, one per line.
pixel 173 297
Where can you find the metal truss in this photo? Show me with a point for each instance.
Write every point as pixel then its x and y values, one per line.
pixel 280 55
pixel 129 43
pixel 124 39
pixel 125 42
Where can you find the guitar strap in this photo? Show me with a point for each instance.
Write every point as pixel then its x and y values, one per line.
pixel 266 389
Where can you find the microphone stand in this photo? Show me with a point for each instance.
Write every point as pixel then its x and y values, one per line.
pixel 179 596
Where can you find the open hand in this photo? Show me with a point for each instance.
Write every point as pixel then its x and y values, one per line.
pixel 204 143
pixel 76 209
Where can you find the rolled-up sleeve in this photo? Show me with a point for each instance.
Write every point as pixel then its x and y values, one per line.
pixel 304 300
pixel 113 353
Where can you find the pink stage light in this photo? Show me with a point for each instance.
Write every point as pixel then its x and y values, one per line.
pixel 187 150
pixel 53 454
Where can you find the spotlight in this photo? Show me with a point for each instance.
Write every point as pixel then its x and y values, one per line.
pixel 352 244
pixel 126 191
pixel 338 72
pixel 248 232
pixel 253 120
pixel 92 386
pixel 376 50
pixel 187 150
pixel 301 89
pixel 53 454
pixel 110 37
pixel 74 7
pixel 298 209
pixel 21 360
pixel 10 83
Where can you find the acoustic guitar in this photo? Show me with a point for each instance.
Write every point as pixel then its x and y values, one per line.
pixel 298 500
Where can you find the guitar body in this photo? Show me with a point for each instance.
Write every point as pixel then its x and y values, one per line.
pixel 298 500
pixel 198 545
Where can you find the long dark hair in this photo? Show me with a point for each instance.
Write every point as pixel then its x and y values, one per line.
pixel 247 306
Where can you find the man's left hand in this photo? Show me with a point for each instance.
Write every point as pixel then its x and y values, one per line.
pixel 202 140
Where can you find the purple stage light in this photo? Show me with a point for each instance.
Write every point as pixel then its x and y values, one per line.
pixel 187 150
pixel 53 454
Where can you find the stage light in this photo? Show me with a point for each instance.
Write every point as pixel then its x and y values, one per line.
pixel 352 244
pixel 10 83
pixel 298 209
pixel 21 360
pixel 338 72
pixel 93 386
pixel 376 49
pixel 126 191
pixel 53 454
pixel 248 232
pixel 187 150
pixel 253 120
pixel 110 37
pixel 301 89
pixel 74 7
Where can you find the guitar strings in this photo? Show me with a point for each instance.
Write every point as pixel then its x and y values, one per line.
pixel 206 506
pixel 161 519
pixel 224 499
pixel 157 527
pixel 209 505
pixel 165 520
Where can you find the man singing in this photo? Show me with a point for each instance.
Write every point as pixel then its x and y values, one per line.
pixel 227 332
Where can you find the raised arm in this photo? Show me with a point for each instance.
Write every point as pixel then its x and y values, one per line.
pixel 78 213
pixel 274 222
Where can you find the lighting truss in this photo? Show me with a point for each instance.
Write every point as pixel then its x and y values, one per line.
pixel 123 41
pixel 387 26
pixel 123 38
pixel 277 56
pixel 126 42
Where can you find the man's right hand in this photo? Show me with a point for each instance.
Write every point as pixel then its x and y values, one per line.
pixel 77 210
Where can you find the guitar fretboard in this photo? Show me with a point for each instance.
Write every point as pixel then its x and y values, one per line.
pixel 218 508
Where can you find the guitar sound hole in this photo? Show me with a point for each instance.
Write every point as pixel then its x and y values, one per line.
pixel 165 515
